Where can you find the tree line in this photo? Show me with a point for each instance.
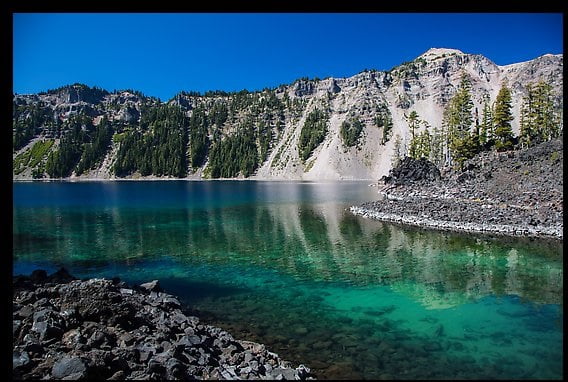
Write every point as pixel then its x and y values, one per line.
pixel 234 136
pixel 464 134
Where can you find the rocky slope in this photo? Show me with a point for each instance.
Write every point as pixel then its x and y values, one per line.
pixel 517 193
pixel 65 328
pixel 424 85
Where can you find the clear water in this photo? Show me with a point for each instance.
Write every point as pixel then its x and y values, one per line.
pixel 285 264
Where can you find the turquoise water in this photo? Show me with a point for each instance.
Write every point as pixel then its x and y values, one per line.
pixel 285 264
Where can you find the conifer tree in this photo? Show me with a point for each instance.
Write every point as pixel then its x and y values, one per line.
pixel 413 124
pixel 538 118
pixel 502 120
pixel 486 126
pixel 399 150
pixel 457 120
pixel 437 146
pixel 528 133
pixel 424 144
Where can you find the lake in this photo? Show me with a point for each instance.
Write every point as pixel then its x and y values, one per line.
pixel 284 263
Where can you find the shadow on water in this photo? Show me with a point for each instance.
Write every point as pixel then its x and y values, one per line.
pixel 193 292
pixel 350 297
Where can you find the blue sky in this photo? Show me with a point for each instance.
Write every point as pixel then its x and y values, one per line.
pixel 162 54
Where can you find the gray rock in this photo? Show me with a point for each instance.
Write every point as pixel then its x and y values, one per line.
pixel 126 339
pixel 248 356
pixel 96 339
pixel 165 345
pixel 156 366
pixel 152 286
pixel 190 340
pixel 284 373
pixel 145 351
pixel 229 373
pixel 25 311
pixel 46 330
pixel 139 375
pixel 179 318
pixel 72 338
pixel 171 302
pixel 174 369
pixel 20 359
pixel 16 325
pixel 118 376
pixel 68 366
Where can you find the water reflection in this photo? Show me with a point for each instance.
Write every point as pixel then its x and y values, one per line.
pixel 287 265
pixel 308 241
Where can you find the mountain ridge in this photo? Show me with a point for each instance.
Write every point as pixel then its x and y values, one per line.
pixel 424 85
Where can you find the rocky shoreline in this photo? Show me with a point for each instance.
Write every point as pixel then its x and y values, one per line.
pixel 517 193
pixel 554 232
pixel 65 328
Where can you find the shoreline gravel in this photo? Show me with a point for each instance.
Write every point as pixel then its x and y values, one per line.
pixel 552 232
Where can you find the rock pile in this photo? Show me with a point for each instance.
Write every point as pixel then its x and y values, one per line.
pixel 66 328
pixel 518 193
pixel 411 170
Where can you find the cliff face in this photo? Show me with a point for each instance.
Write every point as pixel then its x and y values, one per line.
pixel 424 85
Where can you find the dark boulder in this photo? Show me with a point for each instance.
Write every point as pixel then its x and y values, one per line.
pixel 48 325
pixel 38 276
pixel 465 176
pixel 412 170
pixel 61 276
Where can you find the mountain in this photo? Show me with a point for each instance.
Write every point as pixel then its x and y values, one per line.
pixel 312 129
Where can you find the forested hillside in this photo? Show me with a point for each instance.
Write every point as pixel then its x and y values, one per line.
pixel 445 105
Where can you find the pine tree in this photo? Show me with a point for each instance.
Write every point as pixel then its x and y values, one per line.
pixel 446 137
pixel 476 133
pixel 539 122
pixel 528 133
pixel 313 133
pixel 424 144
pixel 457 120
pixel 384 119
pixel 198 136
pixel 437 146
pixel 486 126
pixel 350 131
pixel 399 150
pixel 502 120
pixel 462 105
pixel 545 111
pixel 413 124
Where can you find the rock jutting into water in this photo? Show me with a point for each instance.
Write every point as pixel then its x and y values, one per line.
pixel 518 193
pixel 66 328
